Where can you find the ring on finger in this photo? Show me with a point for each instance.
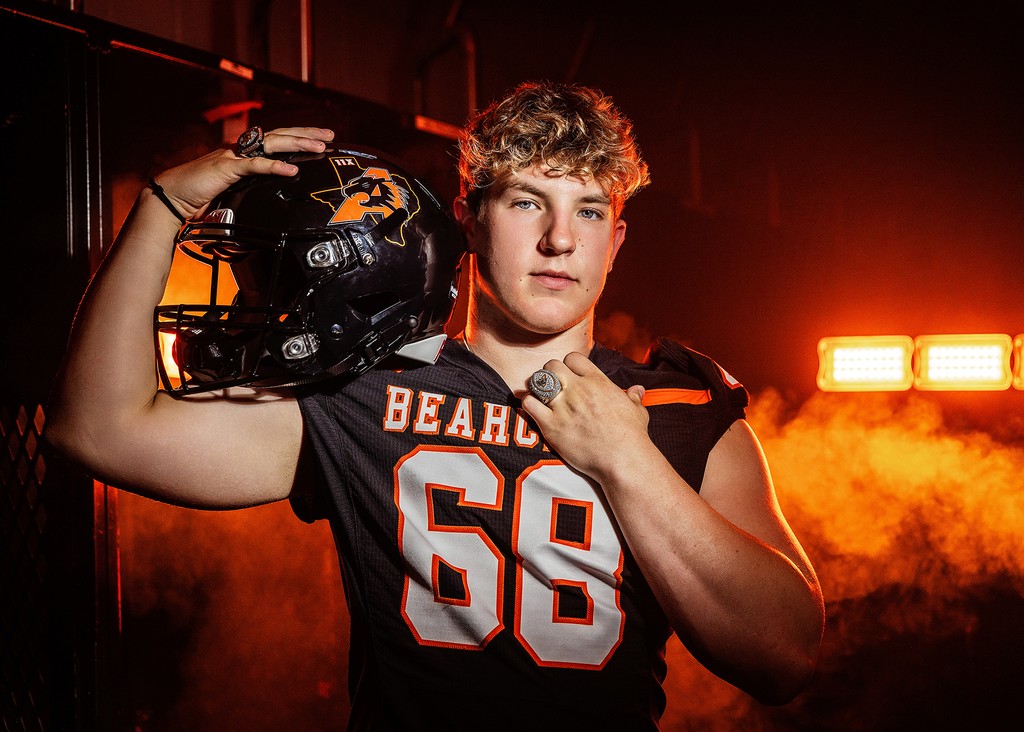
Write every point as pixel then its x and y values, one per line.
pixel 250 143
pixel 544 385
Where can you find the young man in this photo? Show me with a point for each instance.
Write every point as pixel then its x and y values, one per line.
pixel 513 557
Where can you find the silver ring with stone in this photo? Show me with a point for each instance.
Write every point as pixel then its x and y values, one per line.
pixel 250 143
pixel 544 385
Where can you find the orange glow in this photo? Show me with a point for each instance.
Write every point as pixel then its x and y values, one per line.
pixel 166 351
pixel 865 363
pixel 963 362
pixel 189 282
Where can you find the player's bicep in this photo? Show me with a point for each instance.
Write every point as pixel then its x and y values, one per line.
pixel 215 452
pixel 738 484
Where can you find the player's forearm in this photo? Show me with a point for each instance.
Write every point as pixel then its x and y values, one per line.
pixel 109 368
pixel 743 608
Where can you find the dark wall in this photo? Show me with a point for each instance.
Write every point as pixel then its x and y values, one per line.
pixel 57 603
pixel 819 168
pixel 89 110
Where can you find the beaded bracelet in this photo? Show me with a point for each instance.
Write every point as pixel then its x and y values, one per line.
pixel 159 193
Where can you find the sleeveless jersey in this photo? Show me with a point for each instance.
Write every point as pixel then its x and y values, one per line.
pixel 487 584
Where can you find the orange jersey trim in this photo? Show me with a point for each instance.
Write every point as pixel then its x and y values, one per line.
pixel 655 397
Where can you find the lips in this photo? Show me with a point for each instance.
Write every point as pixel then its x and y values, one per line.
pixel 554 280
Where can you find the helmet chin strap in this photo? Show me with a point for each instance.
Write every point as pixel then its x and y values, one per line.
pixel 364 243
pixel 387 226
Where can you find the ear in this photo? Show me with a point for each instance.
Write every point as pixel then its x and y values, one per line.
pixel 466 220
pixel 618 236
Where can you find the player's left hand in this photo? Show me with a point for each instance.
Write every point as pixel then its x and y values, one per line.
pixel 591 423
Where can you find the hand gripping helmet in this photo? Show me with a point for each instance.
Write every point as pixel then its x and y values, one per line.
pixel 346 263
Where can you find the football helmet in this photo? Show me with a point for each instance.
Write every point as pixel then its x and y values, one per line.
pixel 346 263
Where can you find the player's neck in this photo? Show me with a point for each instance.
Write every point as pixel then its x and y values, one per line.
pixel 514 356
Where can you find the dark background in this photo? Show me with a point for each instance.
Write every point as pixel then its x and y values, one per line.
pixel 818 169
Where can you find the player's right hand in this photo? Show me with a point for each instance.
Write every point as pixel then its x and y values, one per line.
pixel 192 185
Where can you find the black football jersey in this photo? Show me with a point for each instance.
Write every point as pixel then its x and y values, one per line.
pixel 488 586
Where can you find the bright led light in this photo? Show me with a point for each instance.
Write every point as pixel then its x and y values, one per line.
pixel 963 362
pixel 865 363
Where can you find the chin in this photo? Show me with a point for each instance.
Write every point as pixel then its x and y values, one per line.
pixel 552 324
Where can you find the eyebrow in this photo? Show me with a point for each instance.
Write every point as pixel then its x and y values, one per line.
pixel 525 187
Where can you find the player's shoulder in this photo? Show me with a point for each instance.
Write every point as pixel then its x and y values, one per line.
pixel 668 354
pixel 670 370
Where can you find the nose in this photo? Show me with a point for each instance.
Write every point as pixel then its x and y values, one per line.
pixel 558 237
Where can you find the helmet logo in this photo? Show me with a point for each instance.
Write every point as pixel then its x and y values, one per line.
pixel 369 197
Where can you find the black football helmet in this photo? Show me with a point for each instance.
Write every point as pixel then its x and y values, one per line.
pixel 346 263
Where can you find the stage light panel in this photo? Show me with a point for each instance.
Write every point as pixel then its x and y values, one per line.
pixel 974 362
pixel 865 363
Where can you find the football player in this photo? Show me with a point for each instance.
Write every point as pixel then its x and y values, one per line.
pixel 523 519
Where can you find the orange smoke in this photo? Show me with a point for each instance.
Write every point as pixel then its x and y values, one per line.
pixel 876 475
pixel 914 530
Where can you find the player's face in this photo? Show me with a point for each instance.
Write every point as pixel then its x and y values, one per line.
pixel 543 247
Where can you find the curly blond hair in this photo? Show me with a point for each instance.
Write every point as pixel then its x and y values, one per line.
pixel 574 130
